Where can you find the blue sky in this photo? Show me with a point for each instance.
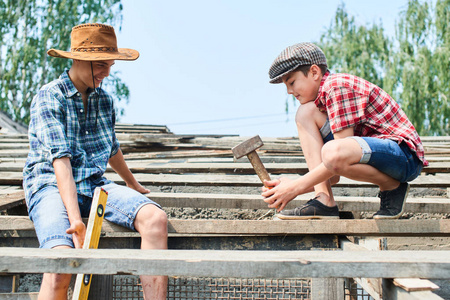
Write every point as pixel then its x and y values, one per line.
pixel 204 63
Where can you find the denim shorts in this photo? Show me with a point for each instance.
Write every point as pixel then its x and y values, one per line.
pixel 50 218
pixel 387 156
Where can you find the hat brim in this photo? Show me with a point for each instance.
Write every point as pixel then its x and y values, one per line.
pixel 121 54
pixel 279 78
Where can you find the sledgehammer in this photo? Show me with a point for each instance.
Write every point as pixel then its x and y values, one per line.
pixel 249 148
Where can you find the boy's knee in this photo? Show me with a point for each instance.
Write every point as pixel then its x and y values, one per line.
pixel 305 113
pixel 152 220
pixel 332 156
pixel 57 281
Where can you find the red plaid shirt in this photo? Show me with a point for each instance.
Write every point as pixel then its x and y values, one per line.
pixel 351 101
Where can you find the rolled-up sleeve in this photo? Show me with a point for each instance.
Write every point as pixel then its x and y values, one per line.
pixel 50 125
pixel 345 108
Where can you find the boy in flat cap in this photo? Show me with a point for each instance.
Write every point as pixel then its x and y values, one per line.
pixel 72 140
pixel 347 127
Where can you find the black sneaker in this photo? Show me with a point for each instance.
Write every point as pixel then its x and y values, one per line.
pixel 392 202
pixel 313 209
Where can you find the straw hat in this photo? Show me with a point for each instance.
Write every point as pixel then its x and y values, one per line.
pixel 93 42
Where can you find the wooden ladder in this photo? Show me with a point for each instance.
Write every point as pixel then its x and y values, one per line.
pixel 83 281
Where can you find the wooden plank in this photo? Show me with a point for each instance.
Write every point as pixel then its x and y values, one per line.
pixel 12 200
pixel 20 153
pixel 149 167
pixel 206 179
pixel 19 296
pixel 415 284
pixel 228 263
pixel 9 283
pixel 11 226
pixel 392 292
pixel 178 154
pixel 93 230
pixel 13 135
pixel 244 168
pixel 7 146
pixel 245 201
pixel 370 285
pixel 390 288
pixel 358 204
pixel 327 288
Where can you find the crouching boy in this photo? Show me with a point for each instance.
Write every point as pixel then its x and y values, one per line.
pixel 347 127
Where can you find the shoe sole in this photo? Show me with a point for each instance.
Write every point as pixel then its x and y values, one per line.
pixel 281 217
pixel 397 216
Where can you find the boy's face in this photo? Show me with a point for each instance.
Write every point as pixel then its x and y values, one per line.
pixel 100 69
pixel 304 88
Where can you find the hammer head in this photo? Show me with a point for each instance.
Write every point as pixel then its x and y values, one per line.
pixel 247 146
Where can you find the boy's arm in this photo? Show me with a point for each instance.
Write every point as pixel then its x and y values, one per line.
pixel 117 162
pixel 68 191
pixel 279 196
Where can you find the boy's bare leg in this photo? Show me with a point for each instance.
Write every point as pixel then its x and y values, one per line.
pixel 309 121
pixel 151 223
pixel 342 156
pixel 55 286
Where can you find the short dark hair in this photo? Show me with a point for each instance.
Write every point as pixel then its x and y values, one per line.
pixel 305 69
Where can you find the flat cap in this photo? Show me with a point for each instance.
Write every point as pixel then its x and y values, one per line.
pixel 294 56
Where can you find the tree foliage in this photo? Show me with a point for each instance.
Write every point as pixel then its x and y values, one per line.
pixel 413 66
pixel 28 29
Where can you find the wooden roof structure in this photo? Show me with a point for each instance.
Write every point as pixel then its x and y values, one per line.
pixel 197 172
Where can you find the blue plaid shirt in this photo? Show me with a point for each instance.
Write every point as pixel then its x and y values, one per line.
pixel 60 127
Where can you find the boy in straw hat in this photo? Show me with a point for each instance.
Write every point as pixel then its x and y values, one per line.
pixel 72 140
pixel 347 127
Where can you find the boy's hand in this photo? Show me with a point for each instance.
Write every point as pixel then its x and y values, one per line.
pixel 278 193
pixel 270 184
pixel 138 187
pixel 78 231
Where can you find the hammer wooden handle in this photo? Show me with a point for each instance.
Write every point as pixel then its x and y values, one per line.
pixel 260 170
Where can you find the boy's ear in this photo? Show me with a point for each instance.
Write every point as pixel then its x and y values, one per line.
pixel 315 72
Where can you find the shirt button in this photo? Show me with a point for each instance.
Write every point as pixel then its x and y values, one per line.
pixel 78 94
pixel 81 110
pixel 93 154
pixel 87 132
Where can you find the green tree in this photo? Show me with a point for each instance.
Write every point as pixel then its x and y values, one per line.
pixel 358 50
pixel 413 66
pixel 28 28
pixel 422 57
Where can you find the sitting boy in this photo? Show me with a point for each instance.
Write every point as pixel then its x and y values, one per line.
pixel 347 127
pixel 72 139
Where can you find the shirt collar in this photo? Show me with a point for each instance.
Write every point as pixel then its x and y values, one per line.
pixel 318 103
pixel 70 89
pixel 324 77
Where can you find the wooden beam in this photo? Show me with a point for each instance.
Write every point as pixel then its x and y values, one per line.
pixel 392 292
pixel 11 226
pixel 327 288
pixel 415 284
pixel 228 263
pixel 149 167
pixel 19 296
pixel 246 201
pixel 206 179
pixel 397 288
pixel 12 200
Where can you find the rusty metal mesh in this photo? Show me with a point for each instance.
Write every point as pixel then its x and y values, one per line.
pixel 187 288
pixel 354 291
pixel 184 288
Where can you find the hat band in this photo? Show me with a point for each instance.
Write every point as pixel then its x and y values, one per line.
pixel 96 49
